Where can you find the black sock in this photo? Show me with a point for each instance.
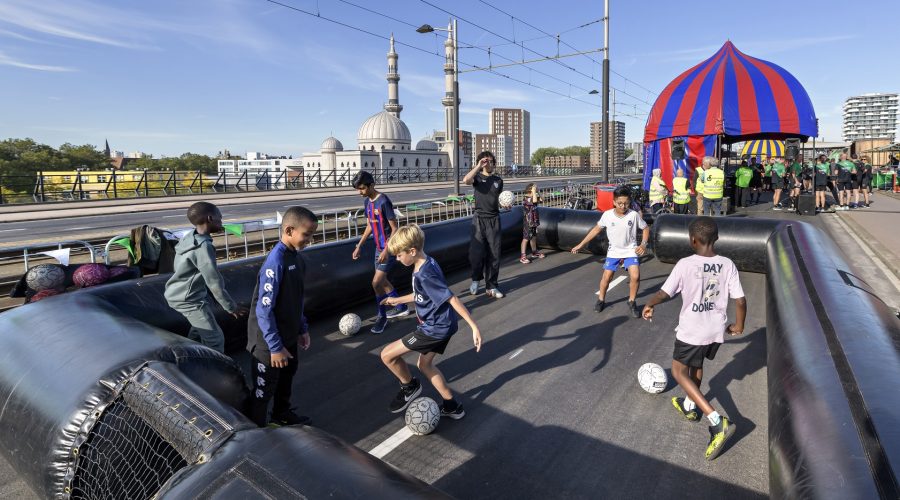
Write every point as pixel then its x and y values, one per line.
pixel 450 404
pixel 412 383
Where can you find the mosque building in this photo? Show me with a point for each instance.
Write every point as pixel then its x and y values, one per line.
pixel 385 145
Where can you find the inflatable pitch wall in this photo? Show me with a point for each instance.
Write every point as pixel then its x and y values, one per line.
pixel 105 398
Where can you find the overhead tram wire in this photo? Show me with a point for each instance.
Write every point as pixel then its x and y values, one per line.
pixel 526 23
pixel 398 42
pixel 482 68
pixel 426 2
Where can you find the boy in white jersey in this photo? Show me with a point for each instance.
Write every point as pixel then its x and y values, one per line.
pixel 621 226
pixel 705 281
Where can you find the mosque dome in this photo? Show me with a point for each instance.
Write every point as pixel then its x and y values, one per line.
pixel 331 145
pixel 426 145
pixel 383 129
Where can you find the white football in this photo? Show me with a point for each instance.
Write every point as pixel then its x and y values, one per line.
pixel 507 198
pixel 652 378
pixel 422 416
pixel 349 324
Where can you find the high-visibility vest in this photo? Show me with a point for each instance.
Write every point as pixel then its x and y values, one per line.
pixel 682 192
pixel 714 184
pixel 698 185
pixel 657 190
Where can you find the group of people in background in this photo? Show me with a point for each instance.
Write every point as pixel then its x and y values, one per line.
pixel 849 179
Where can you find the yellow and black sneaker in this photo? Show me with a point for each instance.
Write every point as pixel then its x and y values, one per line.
pixel 692 415
pixel 718 434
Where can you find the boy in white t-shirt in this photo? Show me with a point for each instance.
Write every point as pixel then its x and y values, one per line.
pixel 621 226
pixel 705 281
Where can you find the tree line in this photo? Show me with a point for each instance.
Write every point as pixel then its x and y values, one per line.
pixel 537 158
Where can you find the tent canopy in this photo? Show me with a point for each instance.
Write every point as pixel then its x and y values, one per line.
pixel 763 147
pixel 735 96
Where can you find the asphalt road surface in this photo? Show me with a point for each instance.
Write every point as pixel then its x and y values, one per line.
pixel 553 406
pixel 62 227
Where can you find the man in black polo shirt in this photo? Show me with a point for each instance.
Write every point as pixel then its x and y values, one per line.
pixel 484 248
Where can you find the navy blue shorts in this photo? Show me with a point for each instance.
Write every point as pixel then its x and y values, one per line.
pixel 387 265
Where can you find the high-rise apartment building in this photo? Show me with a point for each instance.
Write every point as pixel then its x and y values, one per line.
pixel 514 123
pixel 501 145
pixel 466 143
pixel 870 116
pixel 616 146
pixel 637 149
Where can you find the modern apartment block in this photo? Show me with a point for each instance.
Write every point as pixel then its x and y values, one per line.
pixel 616 145
pixel 466 143
pixel 501 145
pixel 567 161
pixel 514 123
pixel 638 150
pixel 870 116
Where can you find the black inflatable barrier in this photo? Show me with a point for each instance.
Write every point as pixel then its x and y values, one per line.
pixel 562 229
pixel 294 462
pixel 741 239
pixel 60 364
pixel 833 358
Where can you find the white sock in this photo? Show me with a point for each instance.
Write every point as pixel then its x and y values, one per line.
pixel 688 404
pixel 714 418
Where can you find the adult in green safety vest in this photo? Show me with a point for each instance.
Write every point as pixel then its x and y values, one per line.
pixel 742 177
pixel 713 187
pixel 681 193
pixel 658 191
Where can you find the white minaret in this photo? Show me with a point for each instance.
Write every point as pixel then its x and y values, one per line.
pixel 393 105
pixel 447 101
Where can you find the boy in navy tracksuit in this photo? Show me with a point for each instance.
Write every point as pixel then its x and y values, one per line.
pixel 277 326
pixel 436 310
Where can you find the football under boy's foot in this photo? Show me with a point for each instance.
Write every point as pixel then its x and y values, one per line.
pixel 473 288
pixel 456 413
pixel 290 418
pixel 718 434
pixel 632 306
pixel 380 324
pixel 398 312
pixel 598 307
pixel 692 415
pixel 406 395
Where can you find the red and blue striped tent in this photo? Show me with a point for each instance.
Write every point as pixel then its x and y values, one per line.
pixel 730 97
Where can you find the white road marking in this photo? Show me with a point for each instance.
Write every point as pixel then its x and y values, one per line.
pixel 8 230
pixel 391 443
pixel 612 284
pixel 519 351
pixel 78 228
pixel 170 216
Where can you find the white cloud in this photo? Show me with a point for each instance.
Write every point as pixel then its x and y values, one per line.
pixel 6 60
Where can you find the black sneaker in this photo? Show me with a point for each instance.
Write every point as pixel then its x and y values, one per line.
pixel 380 325
pixel 692 415
pixel 632 305
pixel 598 307
pixel 456 414
pixel 290 418
pixel 398 312
pixel 406 396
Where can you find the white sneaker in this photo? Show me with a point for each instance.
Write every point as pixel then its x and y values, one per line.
pixel 495 293
pixel 473 288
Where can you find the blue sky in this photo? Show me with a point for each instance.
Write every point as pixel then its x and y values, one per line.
pixel 167 77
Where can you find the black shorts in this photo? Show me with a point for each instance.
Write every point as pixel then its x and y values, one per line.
pixel 843 185
pixel 755 183
pixel 820 189
pixel 865 183
pixel 418 341
pixel 528 232
pixel 777 182
pixel 692 355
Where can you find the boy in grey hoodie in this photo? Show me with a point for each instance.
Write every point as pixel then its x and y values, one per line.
pixel 195 271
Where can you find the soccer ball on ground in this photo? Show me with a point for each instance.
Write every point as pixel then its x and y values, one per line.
pixel 652 378
pixel 422 416
pixel 507 198
pixel 45 277
pixel 349 324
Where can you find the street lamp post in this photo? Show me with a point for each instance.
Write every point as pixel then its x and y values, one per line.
pixel 454 126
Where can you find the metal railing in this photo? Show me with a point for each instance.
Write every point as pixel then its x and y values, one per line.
pixel 113 184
